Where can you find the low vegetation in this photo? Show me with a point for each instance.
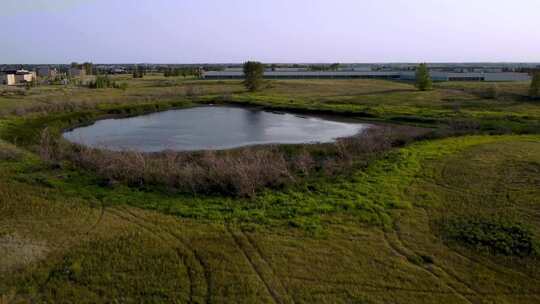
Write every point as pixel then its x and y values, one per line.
pixel 450 218
pixel 496 236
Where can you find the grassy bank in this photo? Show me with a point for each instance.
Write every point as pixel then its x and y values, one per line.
pixel 98 246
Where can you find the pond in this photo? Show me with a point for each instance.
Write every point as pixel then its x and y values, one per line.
pixel 210 128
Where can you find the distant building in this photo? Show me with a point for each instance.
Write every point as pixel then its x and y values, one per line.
pixel 8 79
pixel 118 71
pixel 446 76
pixel 46 71
pixel 304 75
pixel 395 75
pixel 14 77
pixel 24 76
pixel 77 72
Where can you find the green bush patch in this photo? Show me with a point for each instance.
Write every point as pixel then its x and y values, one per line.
pixel 496 236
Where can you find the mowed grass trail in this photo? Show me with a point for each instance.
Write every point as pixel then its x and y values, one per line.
pixel 85 249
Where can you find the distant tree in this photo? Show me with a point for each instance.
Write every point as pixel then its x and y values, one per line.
pixel 138 72
pixel 534 91
pixel 88 68
pixel 423 78
pixel 104 82
pixel 335 66
pixel 254 72
pixel 75 65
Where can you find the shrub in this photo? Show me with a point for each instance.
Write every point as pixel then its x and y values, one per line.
pixel 496 236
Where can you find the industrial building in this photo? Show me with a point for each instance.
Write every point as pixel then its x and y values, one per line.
pixel 448 76
pixel 396 75
pixel 304 75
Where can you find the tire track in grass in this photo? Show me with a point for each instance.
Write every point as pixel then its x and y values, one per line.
pixel 64 244
pixel 401 251
pixel 195 255
pixel 100 218
pixel 137 221
pixel 242 244
pixel 442 183
pixel 375 288
pixel 252 242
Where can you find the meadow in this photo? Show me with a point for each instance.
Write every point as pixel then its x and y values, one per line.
pixel 452 216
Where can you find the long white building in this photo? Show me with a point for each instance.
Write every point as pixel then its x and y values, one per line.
pixel 397 75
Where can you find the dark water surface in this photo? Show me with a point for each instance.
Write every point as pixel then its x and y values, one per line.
pixel 209 128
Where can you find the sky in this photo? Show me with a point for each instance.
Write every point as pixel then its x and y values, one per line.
pixel 284 31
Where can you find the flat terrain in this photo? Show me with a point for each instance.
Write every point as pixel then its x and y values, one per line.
pixel 447 220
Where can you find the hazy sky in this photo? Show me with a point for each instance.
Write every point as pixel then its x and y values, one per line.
pixel 197 31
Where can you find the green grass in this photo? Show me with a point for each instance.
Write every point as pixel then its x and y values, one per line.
pixel 439 221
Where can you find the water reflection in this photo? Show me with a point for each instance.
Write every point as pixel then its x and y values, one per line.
pixel 205 128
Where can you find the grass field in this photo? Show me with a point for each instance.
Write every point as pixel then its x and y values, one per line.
pixel 450 220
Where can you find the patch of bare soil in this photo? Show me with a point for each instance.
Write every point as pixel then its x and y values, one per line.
pixel 17 252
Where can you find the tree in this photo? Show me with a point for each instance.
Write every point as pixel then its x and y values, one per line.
pixel 534 91
pixel 88 68
pixel 138 72
pixel 423 79
pixel 335 66
pixel 254 72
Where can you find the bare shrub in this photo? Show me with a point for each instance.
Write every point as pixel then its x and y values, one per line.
pixel 48 146
pixel 303 163
pixel 240 172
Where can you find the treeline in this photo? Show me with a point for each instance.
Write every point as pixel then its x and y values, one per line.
pixel 104 82
pixel 184 72
pixel 324 67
